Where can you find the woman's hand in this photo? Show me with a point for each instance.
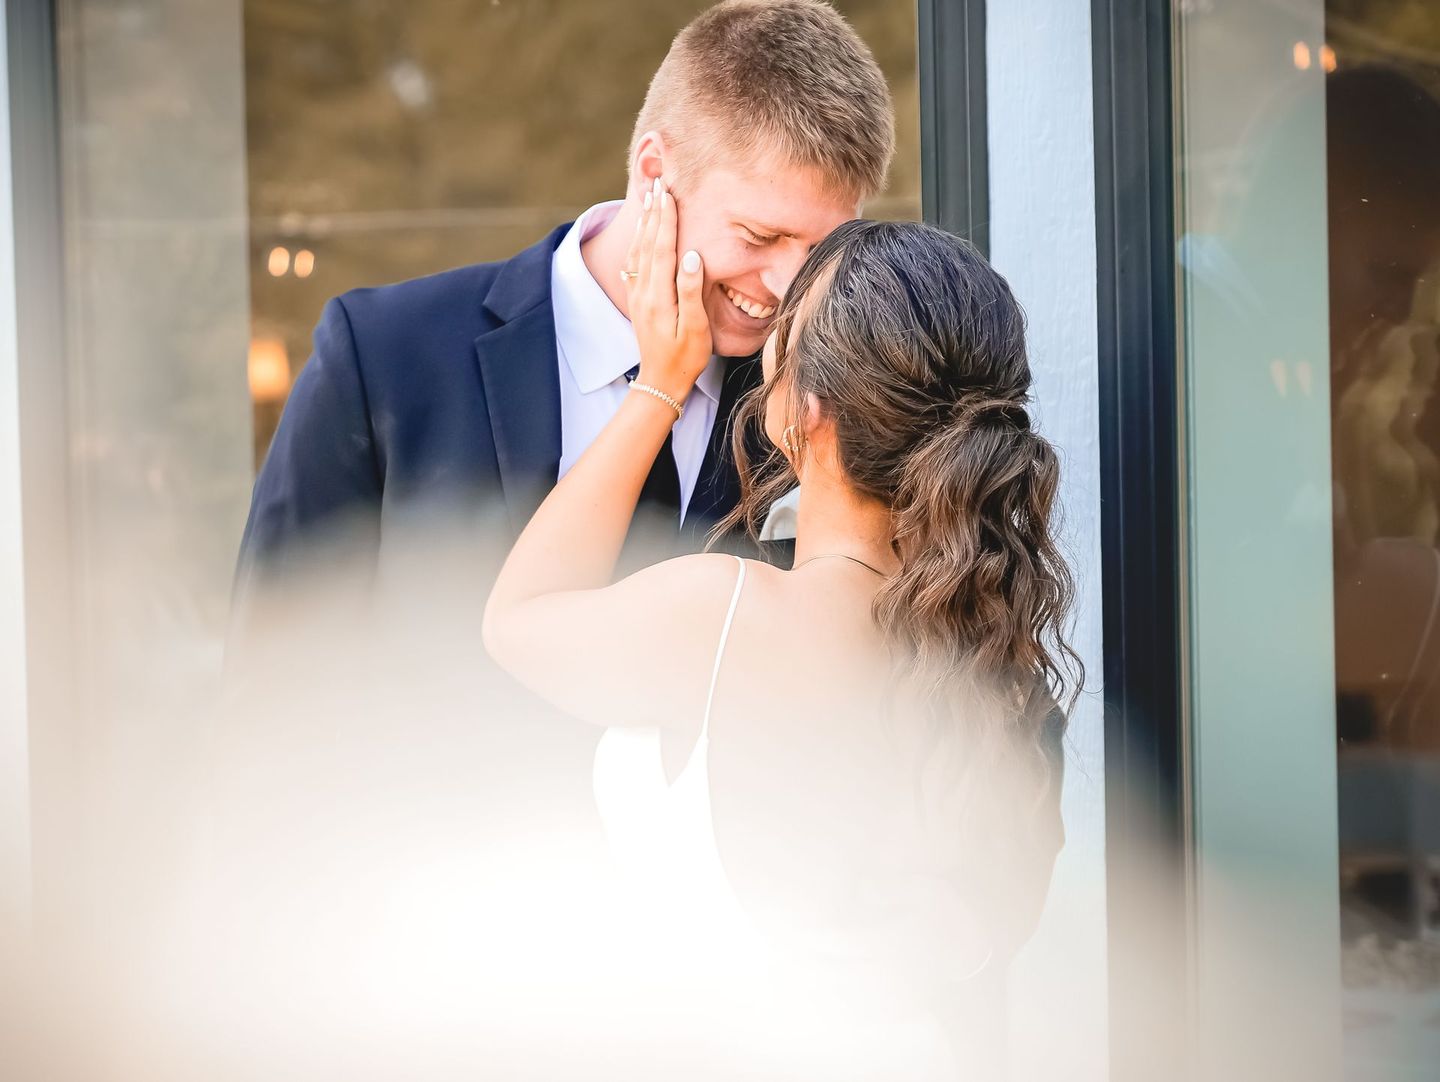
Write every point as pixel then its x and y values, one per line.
pixel 664 297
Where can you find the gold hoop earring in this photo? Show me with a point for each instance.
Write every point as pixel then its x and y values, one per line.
pixel 790 445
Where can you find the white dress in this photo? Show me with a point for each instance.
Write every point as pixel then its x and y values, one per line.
pixel 662 839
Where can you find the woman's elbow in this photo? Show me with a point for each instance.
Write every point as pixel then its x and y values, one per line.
pixel 496 629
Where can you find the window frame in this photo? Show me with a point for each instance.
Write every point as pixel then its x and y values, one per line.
pixel 41 741
pixel 1149 861
pixel 954 162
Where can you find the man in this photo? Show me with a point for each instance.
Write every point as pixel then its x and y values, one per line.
pixel 470 392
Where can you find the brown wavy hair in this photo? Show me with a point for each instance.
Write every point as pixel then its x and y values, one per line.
pixel 915 348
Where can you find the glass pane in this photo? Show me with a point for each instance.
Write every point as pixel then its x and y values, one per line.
pixel 405 138
pixel 1383 167
pixel 157 428
pixel 1252 256
pixel 1309 254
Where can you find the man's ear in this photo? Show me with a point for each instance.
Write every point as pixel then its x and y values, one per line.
pixel 647 163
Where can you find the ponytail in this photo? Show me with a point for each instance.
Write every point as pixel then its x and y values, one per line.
pixel 982 584
pixel 975 615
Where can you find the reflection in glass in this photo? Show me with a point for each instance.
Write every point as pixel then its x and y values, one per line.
pixel 1383 170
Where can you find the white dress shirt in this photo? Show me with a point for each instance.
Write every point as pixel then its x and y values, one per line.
pixel 597 347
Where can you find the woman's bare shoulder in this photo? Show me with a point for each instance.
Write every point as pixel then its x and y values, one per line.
pixel 686 577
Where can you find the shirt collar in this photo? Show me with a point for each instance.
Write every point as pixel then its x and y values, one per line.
pixel 595 339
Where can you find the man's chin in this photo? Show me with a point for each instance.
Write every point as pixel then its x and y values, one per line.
pixel 734 333
pixel 730 343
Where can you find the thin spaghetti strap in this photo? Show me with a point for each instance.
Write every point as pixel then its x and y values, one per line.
pixel 720 650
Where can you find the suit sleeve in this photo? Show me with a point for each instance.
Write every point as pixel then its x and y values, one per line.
pixel 321 481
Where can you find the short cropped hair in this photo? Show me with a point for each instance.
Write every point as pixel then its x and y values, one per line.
pixel 789 78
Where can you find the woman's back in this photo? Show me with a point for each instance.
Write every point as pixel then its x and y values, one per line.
pixel 799 798
pixel 804 777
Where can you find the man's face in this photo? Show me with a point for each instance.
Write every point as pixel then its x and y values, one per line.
pixel 754 232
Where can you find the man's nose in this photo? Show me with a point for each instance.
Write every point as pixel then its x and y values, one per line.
pixel 783 268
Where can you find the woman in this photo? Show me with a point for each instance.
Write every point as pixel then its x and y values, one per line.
pixel 861 752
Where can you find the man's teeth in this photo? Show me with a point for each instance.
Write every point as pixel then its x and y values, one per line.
pixel 749 307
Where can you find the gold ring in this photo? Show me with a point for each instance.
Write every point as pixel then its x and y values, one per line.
pixel 626 275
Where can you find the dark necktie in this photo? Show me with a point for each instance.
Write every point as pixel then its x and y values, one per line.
pixel 660 497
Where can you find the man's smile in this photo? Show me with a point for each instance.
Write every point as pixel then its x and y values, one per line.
pixel 753 308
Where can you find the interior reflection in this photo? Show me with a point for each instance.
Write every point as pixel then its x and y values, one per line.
pixel 1383 151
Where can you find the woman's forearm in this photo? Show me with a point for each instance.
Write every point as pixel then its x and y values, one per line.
pixel 574 540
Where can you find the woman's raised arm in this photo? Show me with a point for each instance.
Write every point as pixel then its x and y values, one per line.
pixel 622 653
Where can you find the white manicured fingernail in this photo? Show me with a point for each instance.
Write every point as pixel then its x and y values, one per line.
pixel 691 263
pixel 648 197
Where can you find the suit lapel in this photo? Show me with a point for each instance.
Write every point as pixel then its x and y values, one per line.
pixel 519 366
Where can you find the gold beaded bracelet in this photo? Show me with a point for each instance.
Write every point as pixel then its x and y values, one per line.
pixel 658 393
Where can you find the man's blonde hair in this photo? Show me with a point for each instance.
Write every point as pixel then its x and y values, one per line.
pixel 790 78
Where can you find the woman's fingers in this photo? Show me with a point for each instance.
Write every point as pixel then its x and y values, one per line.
pixel 649 227
pixel 662 267
pixel 692 322
pixel 636 262
pixel 628 275
pixel 665 300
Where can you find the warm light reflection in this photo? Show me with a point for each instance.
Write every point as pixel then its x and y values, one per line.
pixel 1302 55
pixel 279 261
pixel 304 263
pixel 1279 376
pixel 269 366
pixel 1327 59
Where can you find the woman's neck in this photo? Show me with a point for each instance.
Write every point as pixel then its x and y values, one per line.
pixel 833 518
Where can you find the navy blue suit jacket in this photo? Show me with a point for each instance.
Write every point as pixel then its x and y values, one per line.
pixel 440 393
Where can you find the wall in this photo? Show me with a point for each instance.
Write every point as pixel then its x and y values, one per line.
pixel 1042 229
